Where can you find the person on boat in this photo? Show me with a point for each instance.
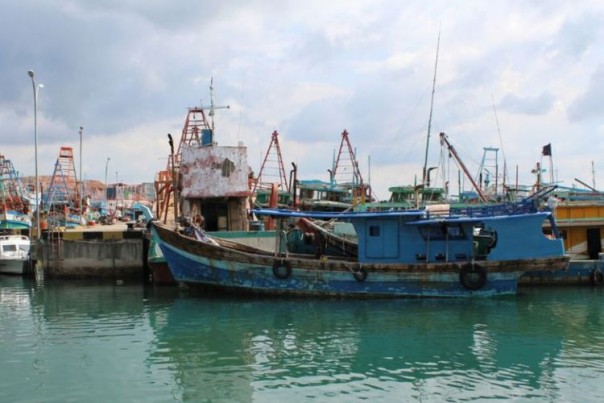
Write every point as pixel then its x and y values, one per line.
pixel 200 235
pixel 552 203
pixel 199 221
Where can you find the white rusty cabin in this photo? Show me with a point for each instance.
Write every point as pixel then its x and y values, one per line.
pixel 214 183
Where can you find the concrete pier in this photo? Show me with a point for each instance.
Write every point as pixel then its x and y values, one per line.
pixel 117 251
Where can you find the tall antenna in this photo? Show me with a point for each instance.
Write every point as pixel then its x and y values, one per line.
pixel 213 107
pixel 425 171
pixel 505 171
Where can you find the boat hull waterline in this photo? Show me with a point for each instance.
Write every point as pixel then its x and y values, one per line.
pixel 247 270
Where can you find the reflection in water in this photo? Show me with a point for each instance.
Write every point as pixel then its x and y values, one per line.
pixel 413 349
pixel 69 341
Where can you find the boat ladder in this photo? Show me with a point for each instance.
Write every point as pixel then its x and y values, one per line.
pixel 55 243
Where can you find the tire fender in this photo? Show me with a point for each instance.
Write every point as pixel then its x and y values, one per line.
pixel 282 269
pixel 472 276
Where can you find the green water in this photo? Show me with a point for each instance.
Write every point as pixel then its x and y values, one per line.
pixel 85 342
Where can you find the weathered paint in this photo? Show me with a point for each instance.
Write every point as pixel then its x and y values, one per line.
pixel 248 270
pixel 212 171
pixel 93 254
pixel 578 272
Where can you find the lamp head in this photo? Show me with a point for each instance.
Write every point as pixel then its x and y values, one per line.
pixel 31 73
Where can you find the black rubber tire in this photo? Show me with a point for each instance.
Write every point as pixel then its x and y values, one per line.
pixel 282 269
pixel 472 276
pixel 360 275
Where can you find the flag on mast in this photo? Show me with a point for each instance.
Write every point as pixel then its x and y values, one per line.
pixel 547 150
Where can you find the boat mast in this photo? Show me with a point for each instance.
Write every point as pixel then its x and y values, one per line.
pixel 213 107
pixel 425 170
pixel 505 171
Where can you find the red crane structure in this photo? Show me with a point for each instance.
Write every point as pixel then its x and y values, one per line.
pixel 13 195
pixel 346 172
pixel 63 188
pixel 272 170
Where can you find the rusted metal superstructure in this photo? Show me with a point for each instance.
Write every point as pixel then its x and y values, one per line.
pixel 203 179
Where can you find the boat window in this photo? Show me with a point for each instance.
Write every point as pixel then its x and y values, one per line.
pixel 442 231
pixel 9 248
pixel 455 231
pixel 374 230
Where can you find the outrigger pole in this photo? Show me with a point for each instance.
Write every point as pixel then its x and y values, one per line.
pixel 443 139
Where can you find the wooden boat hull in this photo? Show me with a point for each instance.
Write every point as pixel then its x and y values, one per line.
pixel 264 240
pixel 242 269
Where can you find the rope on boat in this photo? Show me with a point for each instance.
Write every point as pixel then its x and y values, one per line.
pixel 360 274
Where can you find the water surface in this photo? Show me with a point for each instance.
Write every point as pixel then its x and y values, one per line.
pixel 81 341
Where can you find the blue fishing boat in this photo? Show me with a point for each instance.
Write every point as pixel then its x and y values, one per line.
pixel 400 254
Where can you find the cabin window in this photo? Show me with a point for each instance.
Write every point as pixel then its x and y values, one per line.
pixel 455 231
pixel 306 194
pixel 9 248
pixel 374 230
pixel 441 232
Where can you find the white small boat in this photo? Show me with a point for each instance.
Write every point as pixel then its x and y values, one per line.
pixel 14 254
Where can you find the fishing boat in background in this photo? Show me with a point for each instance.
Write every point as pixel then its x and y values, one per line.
pixel 344 189
pixel 400 254
pixel 62 204
pixel 14 205
pixel 580 221
pixel 406 197
pixel 14 254
pixel 318 195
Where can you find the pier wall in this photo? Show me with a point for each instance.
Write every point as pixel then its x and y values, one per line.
pixel 115 254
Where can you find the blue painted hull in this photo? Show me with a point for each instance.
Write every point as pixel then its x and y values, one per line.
pixel 578 272
pixel 197 263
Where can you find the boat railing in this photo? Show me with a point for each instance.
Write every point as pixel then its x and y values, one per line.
pixel 522 207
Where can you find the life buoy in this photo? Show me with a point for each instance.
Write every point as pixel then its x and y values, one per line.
pixel 360 275
pixel 472 276
pixel 282 269
pixel 597 277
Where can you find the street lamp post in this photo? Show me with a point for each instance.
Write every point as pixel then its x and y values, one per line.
pixel 106 198
pixel 81 177
pixel 117 200
pixel 35 89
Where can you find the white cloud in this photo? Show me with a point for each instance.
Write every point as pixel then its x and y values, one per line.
pixel 127 72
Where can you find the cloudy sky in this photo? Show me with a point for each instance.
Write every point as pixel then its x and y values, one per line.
pixel 515 75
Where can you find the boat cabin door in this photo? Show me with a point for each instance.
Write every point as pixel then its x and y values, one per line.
pixel 594 242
